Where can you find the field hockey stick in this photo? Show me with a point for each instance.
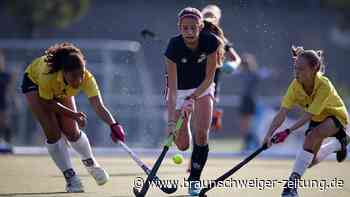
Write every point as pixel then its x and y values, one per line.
pixel 168 143
pixel 168 190
pixel 233 170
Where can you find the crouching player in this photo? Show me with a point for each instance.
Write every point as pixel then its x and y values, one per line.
pixel 49 84
pixel 324 110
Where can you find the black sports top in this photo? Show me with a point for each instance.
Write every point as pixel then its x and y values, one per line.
pixel 191 65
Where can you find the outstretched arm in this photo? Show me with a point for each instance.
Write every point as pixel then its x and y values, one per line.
pixel 301 121
pixel 101 110
pixel 276 123
pixel 172 83
pixel 232 55
pixel 117 131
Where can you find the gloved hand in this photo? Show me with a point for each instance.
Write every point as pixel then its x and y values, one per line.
pixel 117 132
pixel 280 136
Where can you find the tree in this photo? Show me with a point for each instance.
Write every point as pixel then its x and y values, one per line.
pixel 32 15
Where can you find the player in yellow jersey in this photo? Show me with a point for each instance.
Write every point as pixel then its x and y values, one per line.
pixel 324 110
pixel 50 83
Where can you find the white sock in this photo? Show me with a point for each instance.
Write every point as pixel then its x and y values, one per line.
pixel 59 154
pixel 302 162
pixel 326 149
pixel 82 146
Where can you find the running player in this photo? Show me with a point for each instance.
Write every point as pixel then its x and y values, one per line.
pixel 247 107
pixel 6 86
pixel 191 59
pixel 50 83
pixel 324 110
pixel 212 16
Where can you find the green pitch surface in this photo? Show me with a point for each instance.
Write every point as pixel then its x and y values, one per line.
pixel 29 176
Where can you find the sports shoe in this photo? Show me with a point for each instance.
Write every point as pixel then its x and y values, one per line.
pixel 194 188
pixel 95 170
pixel 5 147
pixel 342 153
pixel 73 183
pixel 290 189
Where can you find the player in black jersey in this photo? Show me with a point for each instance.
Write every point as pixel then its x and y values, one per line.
pixel 212 16
pixel 192 58
pixel 6 83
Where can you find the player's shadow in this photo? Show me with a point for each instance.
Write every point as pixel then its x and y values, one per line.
pixel 32 194
pixel 122 174
pixel 181 196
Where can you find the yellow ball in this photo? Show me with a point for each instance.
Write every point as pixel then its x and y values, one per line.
pixel 177 158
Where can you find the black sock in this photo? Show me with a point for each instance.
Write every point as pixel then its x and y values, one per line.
pixel 199 158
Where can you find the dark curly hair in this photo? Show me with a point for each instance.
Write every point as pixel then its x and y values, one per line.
pixel 64 56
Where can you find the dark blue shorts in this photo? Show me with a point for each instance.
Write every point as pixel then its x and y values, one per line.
pixel 28 85
pixel 341 132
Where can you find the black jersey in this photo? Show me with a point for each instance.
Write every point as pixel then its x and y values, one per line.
pixel 191 65
pixel 5 79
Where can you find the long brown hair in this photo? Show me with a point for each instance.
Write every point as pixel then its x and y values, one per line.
pixel 64 56
pixel 216 30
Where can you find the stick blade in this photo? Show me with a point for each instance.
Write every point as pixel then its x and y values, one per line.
pixel 136 192
pixel 169 190
pixel 202 193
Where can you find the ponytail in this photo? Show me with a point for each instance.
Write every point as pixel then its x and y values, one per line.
pixel 314 57
pixel 216 30
pixel 321 59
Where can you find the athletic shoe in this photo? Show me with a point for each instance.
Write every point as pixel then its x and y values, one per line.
pixel 194 188
pixel 73 183
pixel 95 170
pixel 291 190
pixel 5 147
pixel 342 153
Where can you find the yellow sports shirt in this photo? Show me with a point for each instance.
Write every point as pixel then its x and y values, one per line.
pixel 53 86
pixel 323 102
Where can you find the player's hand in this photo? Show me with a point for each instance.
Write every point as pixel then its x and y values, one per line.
pixel 171 127
pixel 187 107
pixel 280 136
pixel 81 119
pixel 267 141
pixel 117 132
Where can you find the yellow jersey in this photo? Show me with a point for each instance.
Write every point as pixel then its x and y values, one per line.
pixel 52 85
pixel 322 103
